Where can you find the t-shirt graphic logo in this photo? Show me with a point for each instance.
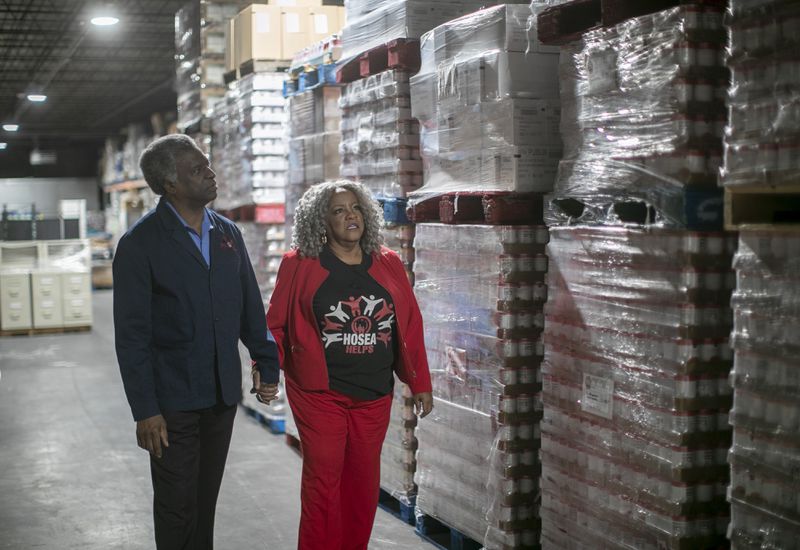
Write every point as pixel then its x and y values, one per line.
pixel 358 324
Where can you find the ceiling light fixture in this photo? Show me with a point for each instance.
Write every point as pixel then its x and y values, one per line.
pixel 105 20
pixel 3 145
pixel 37 98
pixel 10 127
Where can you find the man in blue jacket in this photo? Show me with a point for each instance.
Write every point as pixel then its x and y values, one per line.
pixel 184 294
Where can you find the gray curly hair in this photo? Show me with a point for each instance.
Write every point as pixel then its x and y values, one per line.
pixel 308 231
pixel 158 160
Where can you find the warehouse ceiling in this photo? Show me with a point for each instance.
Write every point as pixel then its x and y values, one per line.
pixel 97 79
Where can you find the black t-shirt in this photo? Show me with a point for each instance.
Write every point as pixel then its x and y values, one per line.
pixel 357 322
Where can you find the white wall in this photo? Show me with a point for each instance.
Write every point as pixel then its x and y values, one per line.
pixel 46 192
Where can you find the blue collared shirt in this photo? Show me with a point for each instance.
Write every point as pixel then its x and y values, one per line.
pixel 202 240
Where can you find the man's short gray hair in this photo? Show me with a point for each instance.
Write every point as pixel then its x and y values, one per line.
pixel 158 160
pixel 309 232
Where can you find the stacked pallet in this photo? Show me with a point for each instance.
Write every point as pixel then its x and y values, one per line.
pixel 636 396
pixel 488 115
pixel 766 448
pixel 481 292
pixel 636 393
pixel 763 199
pixel 643 117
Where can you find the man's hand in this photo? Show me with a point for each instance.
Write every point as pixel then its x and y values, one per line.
pixel 423 404
pixel 151 434
pixel 265 393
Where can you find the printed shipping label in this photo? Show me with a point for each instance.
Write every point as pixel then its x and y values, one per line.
pixel 598 396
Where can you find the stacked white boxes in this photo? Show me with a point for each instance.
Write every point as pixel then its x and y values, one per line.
pixel 481 292
pixel 249 152
pixel 486 98
pixel 765 457
pixel 762 156
pixel 643 119
pixel 635 387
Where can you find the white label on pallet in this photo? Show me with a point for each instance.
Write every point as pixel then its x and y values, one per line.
pixel 598 396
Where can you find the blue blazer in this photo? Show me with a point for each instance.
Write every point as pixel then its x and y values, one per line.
pixel 175 319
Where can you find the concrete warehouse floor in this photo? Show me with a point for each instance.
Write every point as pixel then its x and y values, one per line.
pixel 72 477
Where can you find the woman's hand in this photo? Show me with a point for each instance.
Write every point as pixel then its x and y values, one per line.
pixel 423 404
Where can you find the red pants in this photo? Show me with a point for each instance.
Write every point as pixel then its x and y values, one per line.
pixel 341 439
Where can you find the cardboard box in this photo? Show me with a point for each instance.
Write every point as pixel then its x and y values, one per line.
pixel 258 34
pixel 508 74
pixel 519 169
pixel 278 32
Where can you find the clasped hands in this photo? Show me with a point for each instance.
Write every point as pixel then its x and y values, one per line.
pixel 265 393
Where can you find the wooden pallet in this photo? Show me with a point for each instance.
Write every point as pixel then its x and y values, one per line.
pixel 404 511
pixel 402 53
pixel 700 209
pixel 761 207
pixel 490 208
pixel 44 331
pixel 442 536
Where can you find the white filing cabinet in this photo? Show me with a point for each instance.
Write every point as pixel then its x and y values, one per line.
pixel 15 301
pixel 76 294
pixel 47 299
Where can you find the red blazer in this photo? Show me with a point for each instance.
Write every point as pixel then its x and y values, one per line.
pixel 294 326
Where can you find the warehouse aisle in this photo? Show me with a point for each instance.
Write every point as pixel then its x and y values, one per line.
pixel 73 478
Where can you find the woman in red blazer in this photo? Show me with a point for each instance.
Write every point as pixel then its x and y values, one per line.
pixel 345 320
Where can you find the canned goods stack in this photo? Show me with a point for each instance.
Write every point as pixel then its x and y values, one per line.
pixel 380 140
pixel 762 146
pixel 643 106
pixel 481 290
pixel 765 458
pixel 313 132
pixel 635 387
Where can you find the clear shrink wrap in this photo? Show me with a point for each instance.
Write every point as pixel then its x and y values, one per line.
pixel 762 143
pixel 635 390
pixel 486 97
pixel 398 455
pixel 375 23
pixel 643 117
pixel 765 456
pixel 380 140
pixel 480 289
